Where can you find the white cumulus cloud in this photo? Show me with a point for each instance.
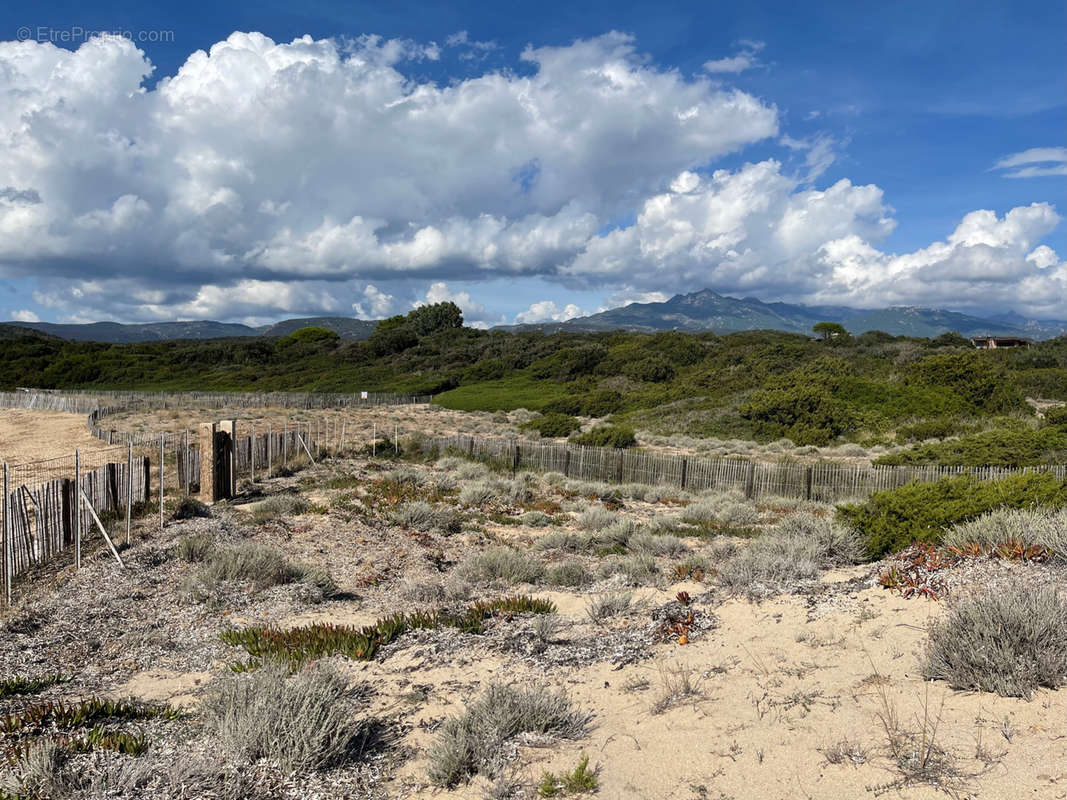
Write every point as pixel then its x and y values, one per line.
pixel 548 311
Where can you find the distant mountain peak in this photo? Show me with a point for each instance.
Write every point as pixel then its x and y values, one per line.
pixel 707 310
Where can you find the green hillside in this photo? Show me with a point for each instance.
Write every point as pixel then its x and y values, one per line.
pixel 763 385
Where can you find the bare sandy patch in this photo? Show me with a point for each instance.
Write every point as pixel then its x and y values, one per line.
pixel 30 435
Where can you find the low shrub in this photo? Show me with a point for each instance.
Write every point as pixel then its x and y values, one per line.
pixel 578 781
pixel 607 605
pixel 596 518
pixel 304 722
pixel 996 448
pixel 1056 415
pixel 500 565
pixel 536 519
pixel 191 508
pixel 637 570
pixel 570 574
pixel 421 516
pixel 274 508
pixel 477 494
pixel 617 436
pixel 657 545
pixel 474 742
pixel 1011 528
pixel 919 512
pixel 1010 640
pixel 781 561
pixel 255 563
pixel 927 429
pixel 260 565
pixel 555 426
pixel 195 548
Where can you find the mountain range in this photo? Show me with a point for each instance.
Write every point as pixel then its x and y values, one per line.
pixel 699 311
pixel 119 333
pixel 708 311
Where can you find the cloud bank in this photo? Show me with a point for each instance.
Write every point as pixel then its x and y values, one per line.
pixel 315 177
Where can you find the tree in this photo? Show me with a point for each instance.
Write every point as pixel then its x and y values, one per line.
pixel 830 330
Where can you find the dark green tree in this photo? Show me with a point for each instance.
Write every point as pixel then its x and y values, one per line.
pixel 830 330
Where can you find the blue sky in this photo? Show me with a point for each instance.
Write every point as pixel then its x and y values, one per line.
pixel 919 100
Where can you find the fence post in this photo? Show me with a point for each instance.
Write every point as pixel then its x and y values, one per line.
pixel 618 468
pixel 750 480
pixel 396 438
pixel 7 538
pixel 685 471
pixel 77 509
pixel 270 447
pixel 807 482
pixel 161 436
pixel 515 460
pixel 567 463
pixel 252 451
pixel 373 438
pixel 343 424
pixel 129 489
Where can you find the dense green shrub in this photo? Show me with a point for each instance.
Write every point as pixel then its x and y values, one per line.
pixel 919 512
pixel 927 429
pixel 805 415
pixel 654 369
pixel 997 448
pixel 618 436
pixel 553 425
pixel 975 379
pixel 1057 415
pixel 569 363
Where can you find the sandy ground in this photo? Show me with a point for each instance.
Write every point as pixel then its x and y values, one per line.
pixel 28 436
pixel 779 683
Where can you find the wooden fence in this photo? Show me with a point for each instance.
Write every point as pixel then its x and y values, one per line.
pixel 84 401
pixel 824 482
pixel 39 517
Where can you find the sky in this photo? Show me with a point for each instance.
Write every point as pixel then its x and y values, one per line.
pixel 530 162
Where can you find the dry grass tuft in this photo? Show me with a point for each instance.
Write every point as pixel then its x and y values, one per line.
pixel 500 565
pixel 474 742
pixel 305 722
pixel 678 683
pixel 1011 641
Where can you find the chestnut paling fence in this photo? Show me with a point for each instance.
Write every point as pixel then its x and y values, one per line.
pixel 42 516
pixel 825 482
pixel 52 506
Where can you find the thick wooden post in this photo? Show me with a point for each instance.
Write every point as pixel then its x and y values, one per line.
pixel 685 471
pixel 229 458
pixel 208 463
pixel 750 480
pixel 515 460
pixel 807 482
pixel 252 452
pixel 270 447
pixel 567 463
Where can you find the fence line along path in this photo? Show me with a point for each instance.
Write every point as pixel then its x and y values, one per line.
pixel 824 482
